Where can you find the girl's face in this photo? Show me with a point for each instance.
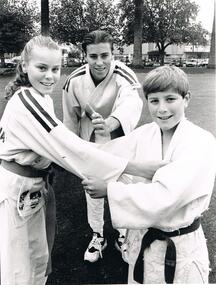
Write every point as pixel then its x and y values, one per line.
pixel 43 69
pixel 167 108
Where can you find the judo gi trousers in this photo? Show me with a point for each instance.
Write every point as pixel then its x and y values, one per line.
pixel 95 211
pixel 192 264
pixel 24 252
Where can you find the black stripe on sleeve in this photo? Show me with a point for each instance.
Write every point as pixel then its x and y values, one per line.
pixel 37 117
pixel 73 75
pixel 40 108
pixel 127 73
pixel 123 75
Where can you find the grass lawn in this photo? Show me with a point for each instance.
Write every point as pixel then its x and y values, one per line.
pixel 73 232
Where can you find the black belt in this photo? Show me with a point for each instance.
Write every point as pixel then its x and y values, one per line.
pixel 25 170
pixel 170 257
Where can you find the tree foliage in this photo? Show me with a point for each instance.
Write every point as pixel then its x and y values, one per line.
pixel 103 15
pixel 16 25
pixel 66 20
pixel 70 20
pixel 165 22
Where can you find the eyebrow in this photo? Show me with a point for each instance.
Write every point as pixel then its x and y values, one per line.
pixel 157 97
pixel 172 94
pixel 44 64
pixel 103 53
pixel 152 97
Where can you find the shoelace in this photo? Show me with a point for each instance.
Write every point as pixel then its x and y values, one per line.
pixel 123 242
pixel 96 244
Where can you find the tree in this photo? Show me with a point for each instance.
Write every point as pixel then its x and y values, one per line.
pixel 70 20
pixel 166 22
pixel 66 20
pixel 138 28
pixel 16 25
pixel 212 48
pixel 45 17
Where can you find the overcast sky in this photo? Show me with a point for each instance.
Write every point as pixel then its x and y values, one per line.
pixel 206 13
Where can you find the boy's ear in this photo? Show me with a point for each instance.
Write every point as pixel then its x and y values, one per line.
pixel 187 99
pixel 85 56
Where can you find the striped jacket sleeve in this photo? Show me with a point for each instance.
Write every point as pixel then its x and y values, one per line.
pixel 38 129
pixel 70 103
pixel 128 104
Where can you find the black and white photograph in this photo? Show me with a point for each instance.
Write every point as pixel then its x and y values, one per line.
pixel 107 142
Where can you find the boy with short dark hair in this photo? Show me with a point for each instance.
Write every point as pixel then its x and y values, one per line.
pixel 165 241
pixel 109 88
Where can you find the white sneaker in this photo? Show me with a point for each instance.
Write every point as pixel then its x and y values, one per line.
pixel 95 247
pixel 120 244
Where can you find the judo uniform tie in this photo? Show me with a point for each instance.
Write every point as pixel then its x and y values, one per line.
pixel 170 257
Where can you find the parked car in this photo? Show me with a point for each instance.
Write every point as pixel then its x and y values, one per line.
pixel 71 61
pixel 8 63
pixel 156 64
pixel 148 63
pixel 151 63
pixel 178 62
pixel 174 61
pixel 191 62
pixel 203 62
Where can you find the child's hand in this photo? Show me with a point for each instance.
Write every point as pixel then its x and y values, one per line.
pixel 95 187
pixel 97 120
pixel 100 126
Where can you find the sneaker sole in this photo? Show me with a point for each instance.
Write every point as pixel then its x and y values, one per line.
pixel 99 257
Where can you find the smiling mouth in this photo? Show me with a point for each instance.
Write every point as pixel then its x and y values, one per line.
pixel 164 118
pixel 100 69
pixel 47 84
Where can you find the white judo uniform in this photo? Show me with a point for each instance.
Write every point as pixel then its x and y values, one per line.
pixel 178 194
pixel 30 134
pixel 115 96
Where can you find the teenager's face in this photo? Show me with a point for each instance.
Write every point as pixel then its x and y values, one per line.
pixel 43 69
pixel 167 108
pixel 99 57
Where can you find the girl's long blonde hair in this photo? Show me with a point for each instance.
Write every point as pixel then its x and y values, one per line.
pixel 21 78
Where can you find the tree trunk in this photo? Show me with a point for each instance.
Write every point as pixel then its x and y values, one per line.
pixel 161 50
pixel 162 55
pixel 211 63
pixel 138 28
pixel 2 59
pixel 45 17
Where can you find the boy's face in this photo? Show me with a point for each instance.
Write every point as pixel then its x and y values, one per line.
pixel 43 69
pixel 167 108
pixel 99 57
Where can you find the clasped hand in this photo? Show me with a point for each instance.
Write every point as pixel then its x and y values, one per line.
pixel 100 125
pixel 97 188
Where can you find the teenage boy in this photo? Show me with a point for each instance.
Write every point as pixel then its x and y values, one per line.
pixel 109 88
